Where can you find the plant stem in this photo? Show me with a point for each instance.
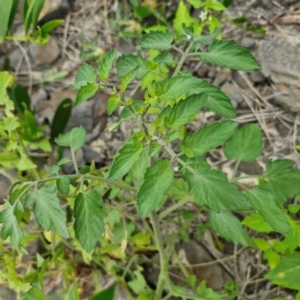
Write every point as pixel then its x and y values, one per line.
pixel 74 161
pixel 162 257
pixel 172 208
pixel 92 177
pixel 183 58
pixel 235 168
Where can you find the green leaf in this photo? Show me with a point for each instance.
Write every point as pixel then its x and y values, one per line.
pixel 128 78
pixel 181 113
pixel 157 40
pixel 178 86
pixel 128 62
pixel 54 170
pixel 266 204
pixel 85 92
pixel 158 180
pixel 63 184
pixel 211 187
pixel 229 55
pixel 73 139
pixel 113 103
pixel 85 75
pixel 107 294
pixel 63 161
pixel 229 227
pixel 107 64
pixel 217 100
pixel 208 137
pixel 287 272
pixel 89 219
pixel 5 10
pixel 245 144
pixel 21 98
pixel 283 181
pixel 256 222
pixel 183 16
pixel 124 160
pixel 61 118
pixel 10 219
pixel 73 292
pixel 12 15
pixel 164 58
pixel 206 39
pixel 215 5
pixel 47 27
pixel 47 210
pixel 292 239
pixel 32 14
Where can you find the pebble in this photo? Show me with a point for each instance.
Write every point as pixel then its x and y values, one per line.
pixel 280 62
pixel 233 93
pixel 248 42
pixel 222 76
pixel 289 99
pixel 257 76
pixel 44 54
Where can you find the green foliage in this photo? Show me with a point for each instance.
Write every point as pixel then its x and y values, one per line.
pixel 31 12
pixel 87 210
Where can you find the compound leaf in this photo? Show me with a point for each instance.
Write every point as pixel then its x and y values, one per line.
pixel 124 160
pixel 283 181
pixel 107 64
pixel 245 144
pixel 182 112
pixel 157 40
pixel 266 204
pixel 208 137
pixel 85 92
pixel 287 272
pixel 230 55
pixel 86 74
pixel 158 180
pixel 10 219
pixel 128 62
pixel 47 210
pixel 89 215
pixel 211 187
pixel 228 226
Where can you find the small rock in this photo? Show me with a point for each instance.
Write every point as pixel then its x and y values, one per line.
pixel 288 97
pixel 233 93
pixel 44 54
pixel 222 76
pixel 257 76
pixel 248 43
pixel 16 59
pixel 280 62
pixel 212 72
pixel 91 155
